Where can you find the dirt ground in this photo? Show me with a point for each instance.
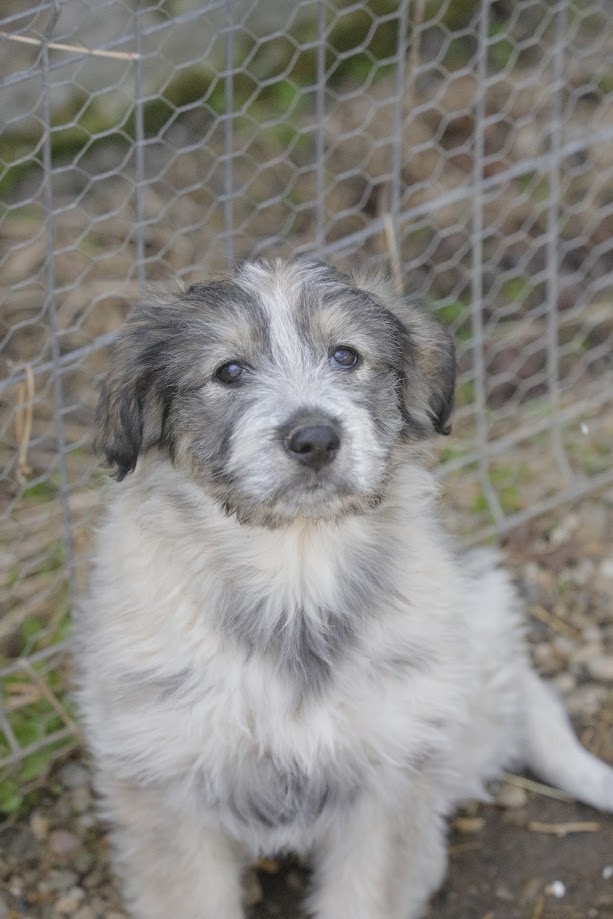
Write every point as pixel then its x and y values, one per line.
pixel 526 856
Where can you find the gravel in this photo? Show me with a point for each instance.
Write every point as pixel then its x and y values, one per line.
pixel 600 667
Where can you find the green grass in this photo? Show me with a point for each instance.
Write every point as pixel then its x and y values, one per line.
pixel 516 289
pixel 30 724
pixel 537 190
pixel 448 454
pixel 456 313
pixel 506 482
pixel 604 83
pixel 465 393
pixel 15 796
pixel 501 47
pixel 35 719
pixel 40 492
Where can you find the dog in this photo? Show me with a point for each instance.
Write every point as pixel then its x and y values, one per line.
pixel 281 650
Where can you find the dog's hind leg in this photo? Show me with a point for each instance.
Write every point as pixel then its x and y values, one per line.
pixel 553 752
pixel 382 860
pixel 171 866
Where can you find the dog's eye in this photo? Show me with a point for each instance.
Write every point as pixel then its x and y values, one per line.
pixel 230 372
pixel 344 358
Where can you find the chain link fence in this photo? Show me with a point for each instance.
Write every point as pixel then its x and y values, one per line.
pixel 466 145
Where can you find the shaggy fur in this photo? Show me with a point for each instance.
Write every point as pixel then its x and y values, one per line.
pixel 280 650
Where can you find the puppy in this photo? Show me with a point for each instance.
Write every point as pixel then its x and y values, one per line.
pixel 281 650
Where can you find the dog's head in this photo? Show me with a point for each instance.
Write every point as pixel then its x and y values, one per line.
pixel 283 391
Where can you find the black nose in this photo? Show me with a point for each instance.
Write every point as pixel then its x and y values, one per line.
pixel 315 445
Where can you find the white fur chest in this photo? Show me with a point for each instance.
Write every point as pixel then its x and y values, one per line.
pixel 259 677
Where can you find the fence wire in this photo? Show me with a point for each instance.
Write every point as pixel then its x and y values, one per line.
pixel 465 145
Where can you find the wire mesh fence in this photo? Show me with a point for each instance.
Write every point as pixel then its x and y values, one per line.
pixel 465 145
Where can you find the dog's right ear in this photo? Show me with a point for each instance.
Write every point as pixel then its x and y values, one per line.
pixel 131 408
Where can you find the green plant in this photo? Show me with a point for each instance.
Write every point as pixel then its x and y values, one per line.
pixel 33 718
pixel 506 482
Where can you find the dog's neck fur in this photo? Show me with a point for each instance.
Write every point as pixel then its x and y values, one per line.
pixel 299 595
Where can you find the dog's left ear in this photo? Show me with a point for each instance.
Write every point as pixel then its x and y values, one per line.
pixel 426 360
pixel 429 369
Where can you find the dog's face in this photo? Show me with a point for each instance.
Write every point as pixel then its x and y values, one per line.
pixel 283 392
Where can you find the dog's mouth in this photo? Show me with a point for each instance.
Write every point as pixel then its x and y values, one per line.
pixel 315 494
pixel 314 499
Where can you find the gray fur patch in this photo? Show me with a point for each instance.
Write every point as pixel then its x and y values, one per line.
pixel 401 665
pixel 306 644
pixel 265 793
pixel 303 647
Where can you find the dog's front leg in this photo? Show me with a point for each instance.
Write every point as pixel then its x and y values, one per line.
pixel 172 866
pixel 381 861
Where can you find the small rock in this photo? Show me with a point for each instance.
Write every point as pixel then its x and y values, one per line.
pixel 564 683
pixel 582 573
pixel 469 824
pixel 39 826
pixel 74 775
pixel 69 903
pixel 503 893
pixel 564 646
pixel 85 821
pixel 586 700
pixel 586 653
pixel 591 634
pixel 58 882
pixel 607 872
pixel 63 843
pixel 80 798
pixel 24 846
pixel 601 668
pixel 15 886
pixel 546 659
pixel 605 569
pixel 511 796
pixel 62 813
pixel 556 889
pixel 536 577
pixel 83 862
pixel 564 530
pixel 85 912
pixel 530 590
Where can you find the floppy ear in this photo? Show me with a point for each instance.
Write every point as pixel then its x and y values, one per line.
pixel 133 400
pixel 429 370
pixel 427 363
